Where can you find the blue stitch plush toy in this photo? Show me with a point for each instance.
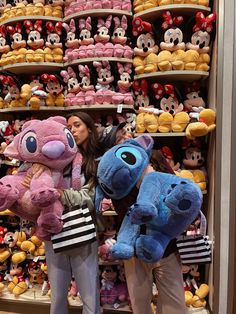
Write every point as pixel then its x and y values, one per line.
pixel 166 203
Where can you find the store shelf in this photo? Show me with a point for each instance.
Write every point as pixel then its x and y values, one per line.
pixel 32 67
pixel 69 108
pixel 16 19
pixel 153 14
pixel 174 75
pixel 96 13
pixel 162 134
pixel 89 60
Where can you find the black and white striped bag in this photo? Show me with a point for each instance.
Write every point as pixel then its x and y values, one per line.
pixel 195 249
pixel 78 229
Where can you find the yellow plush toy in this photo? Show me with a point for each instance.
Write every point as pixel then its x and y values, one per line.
pixel 141 5
pixel 145 60
pixel 54 88
pixel 197 300
pixel 164 60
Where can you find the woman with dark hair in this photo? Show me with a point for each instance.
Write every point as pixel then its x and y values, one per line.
pixel 81 262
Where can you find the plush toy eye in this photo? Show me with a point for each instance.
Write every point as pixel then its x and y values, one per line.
pixel 29 142
pixel 70 138
pixel 130 156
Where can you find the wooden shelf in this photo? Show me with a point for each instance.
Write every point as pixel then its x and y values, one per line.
pixel 151 15
pixel 172 134
pixel 16 19
pixel 66 109
pixel 89 60
pixel 174 75
pixel 96 13
pixel 32 67
pixel 109 213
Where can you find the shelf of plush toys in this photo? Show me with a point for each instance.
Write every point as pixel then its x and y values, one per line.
pixel 174 75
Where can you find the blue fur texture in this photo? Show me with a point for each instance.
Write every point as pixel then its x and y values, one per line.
pixel 166 203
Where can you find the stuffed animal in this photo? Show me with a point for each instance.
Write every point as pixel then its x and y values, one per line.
pixel 123 94
pixel 20 281
pixel 119 38
pixel 166 204
pixel 72 42
pixel 18 44
pixel 35 272
pixel 32 192
pixel 4 46
pixel 54 87
pixel 141 5
pixel 108 291
pixel 173 118
pixel 122 5
pixel 147 117
pixel 86 41
pixel 172 45
pixel 103 48
pixel 145 60
pixel 35 41
pixel 198 49
pixel 73 86
pixel 104 89
pixel 53 50
pixel 87 93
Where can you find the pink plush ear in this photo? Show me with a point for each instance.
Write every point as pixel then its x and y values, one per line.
pixel 72 26
pixel 88 23
pixel 11 150
pixel 146 141
pixel 108 21
pixel 28 123
pixel 58 119
pixel 124 22
pixel 116 21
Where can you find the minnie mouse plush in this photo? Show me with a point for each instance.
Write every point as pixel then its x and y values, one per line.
pixel 173 118
pixel 73 86
pixel 54 87
pixel 72 43
pixel 145 60
pixel 53 50
pixel 86 42
pixel 119 38
pixel 104 90
pixel 4 47
pixel 18 44
pixel 87 93
pixel 35 41
pixel 103 48
pixel 197 54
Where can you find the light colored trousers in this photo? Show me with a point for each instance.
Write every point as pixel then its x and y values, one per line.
pixel 82 262
pixel 169 281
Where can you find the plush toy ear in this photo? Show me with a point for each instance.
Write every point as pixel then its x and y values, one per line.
pixel 146 141
pixel 28 123
pixel 99 196
pixel 11 150
pixel 58 119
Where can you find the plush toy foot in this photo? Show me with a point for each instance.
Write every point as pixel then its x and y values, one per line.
pixel 182 197
pixel 8 195
pixel 149 250
pixel 20 288
pixel 142 213
pixel 122 251
pixel 50 223
pixel 44 197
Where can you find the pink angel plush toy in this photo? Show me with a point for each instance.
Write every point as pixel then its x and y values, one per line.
pixel 46 147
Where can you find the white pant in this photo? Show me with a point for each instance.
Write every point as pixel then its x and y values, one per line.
pixel 168 278
pixel 83 263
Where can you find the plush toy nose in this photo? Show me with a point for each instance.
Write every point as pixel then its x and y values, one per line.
pixel 53 149
pixel 121 179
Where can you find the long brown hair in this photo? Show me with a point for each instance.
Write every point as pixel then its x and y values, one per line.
pixel 92 151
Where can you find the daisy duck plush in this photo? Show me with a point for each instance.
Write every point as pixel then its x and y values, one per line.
pixel 46 147
pixel 166 204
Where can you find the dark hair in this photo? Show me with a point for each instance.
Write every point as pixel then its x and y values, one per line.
pixel 89 164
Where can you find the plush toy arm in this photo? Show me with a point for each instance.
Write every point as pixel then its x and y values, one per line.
pixel 126 239
pixel 146 207
pixel 99 196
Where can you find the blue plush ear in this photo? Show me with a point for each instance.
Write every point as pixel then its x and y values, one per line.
pixel 99 196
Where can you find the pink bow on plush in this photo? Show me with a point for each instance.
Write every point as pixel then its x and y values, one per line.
pixel 127 67
pixel 204 23
pixel 170 21
pixel 68 74
pixel 106 23
pixel 84 71
pixel 85 24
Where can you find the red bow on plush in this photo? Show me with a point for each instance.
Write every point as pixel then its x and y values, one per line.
pixel 170 21
pixel 140 87
pixel 49 78
pixel 192 87
pixel 29 26
pixel 51 28
pixel 139 26
pixel 204 23
pixel 160 90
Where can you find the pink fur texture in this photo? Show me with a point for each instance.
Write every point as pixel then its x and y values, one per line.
pixel 46 147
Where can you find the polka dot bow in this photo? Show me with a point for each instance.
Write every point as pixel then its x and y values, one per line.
pixel 160 90
pixel 139 27
pixel 170 21
pixel 204 23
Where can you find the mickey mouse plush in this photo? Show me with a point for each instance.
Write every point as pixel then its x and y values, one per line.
pixel 166 204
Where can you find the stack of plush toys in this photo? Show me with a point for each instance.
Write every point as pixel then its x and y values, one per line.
pixel 166 108
pixel 102 37
pixel 141 5
pixel 173 44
